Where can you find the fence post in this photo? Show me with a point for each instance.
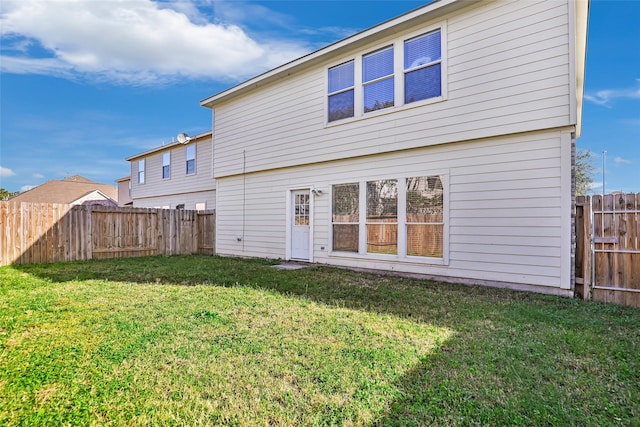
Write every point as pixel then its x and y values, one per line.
pixel 587 251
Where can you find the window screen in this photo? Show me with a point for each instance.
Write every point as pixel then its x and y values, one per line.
pixel 141 171
pixel 425 213
pixel 422 65
pixel 166 165
pixel 382 216
pixel 341 93
pixel 377 77
pixel 191 159
pixel 346 214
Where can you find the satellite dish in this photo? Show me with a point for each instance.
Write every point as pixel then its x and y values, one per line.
pixel 183 138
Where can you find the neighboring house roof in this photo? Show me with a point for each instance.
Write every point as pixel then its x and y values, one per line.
pixel 169 146
pixel 68 190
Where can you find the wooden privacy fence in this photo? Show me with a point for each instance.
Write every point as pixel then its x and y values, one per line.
pixel 43 232
pixel 608 248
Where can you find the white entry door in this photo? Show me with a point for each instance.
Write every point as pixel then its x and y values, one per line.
pixel 300 225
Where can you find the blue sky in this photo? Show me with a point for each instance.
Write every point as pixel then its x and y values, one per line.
pixel 86 83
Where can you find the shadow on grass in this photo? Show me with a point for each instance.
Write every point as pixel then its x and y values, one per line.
pixel 515 358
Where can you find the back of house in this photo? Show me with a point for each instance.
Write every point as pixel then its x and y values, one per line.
pixel 440 143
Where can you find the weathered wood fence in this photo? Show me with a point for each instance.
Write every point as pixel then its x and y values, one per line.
pixel 42 232
pixel 608 248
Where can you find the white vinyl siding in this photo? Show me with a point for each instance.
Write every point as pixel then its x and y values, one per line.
pixel 198 200
pixel 504 217
pixel 506 66
pixel 181 188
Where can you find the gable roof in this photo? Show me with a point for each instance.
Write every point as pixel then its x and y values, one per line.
pixel 67 190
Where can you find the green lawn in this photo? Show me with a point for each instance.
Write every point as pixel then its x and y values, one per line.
pixel 220 341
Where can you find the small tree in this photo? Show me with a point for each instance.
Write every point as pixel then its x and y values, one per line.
pixel 584 171
pixel 4 194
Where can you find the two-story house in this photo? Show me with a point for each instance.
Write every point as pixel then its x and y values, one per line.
pixel 440 142
pixel 178 175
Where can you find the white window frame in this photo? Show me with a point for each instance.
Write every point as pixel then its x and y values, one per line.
pixel 399 76
pixel 401 221
pixel 141 171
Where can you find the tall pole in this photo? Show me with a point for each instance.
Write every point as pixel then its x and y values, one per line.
pixel 604 172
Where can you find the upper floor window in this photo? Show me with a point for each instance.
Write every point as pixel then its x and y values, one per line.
pixel 341 91
pixel 166 165
pixel 422 67
pixel 141 171
pixel 191 159
pixel 406 71
pixel 377 79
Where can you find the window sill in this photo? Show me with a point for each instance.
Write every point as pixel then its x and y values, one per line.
pixel 386 111
pixel 390 258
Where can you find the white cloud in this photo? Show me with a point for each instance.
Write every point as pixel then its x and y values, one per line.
pixel 607 96
pixel 621 160
pixel 37 176
pixel 132 41
pixel 595 185
pixel 27 188
pixel 6 172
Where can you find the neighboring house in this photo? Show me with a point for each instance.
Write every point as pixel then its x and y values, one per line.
pixel 178 175
pixel 73 190
pixel 440 143
pixel 124 191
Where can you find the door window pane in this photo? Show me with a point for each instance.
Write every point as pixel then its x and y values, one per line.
pixel 301 209
pixel 141 171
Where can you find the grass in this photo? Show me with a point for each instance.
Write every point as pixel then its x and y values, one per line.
pixel 223 341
